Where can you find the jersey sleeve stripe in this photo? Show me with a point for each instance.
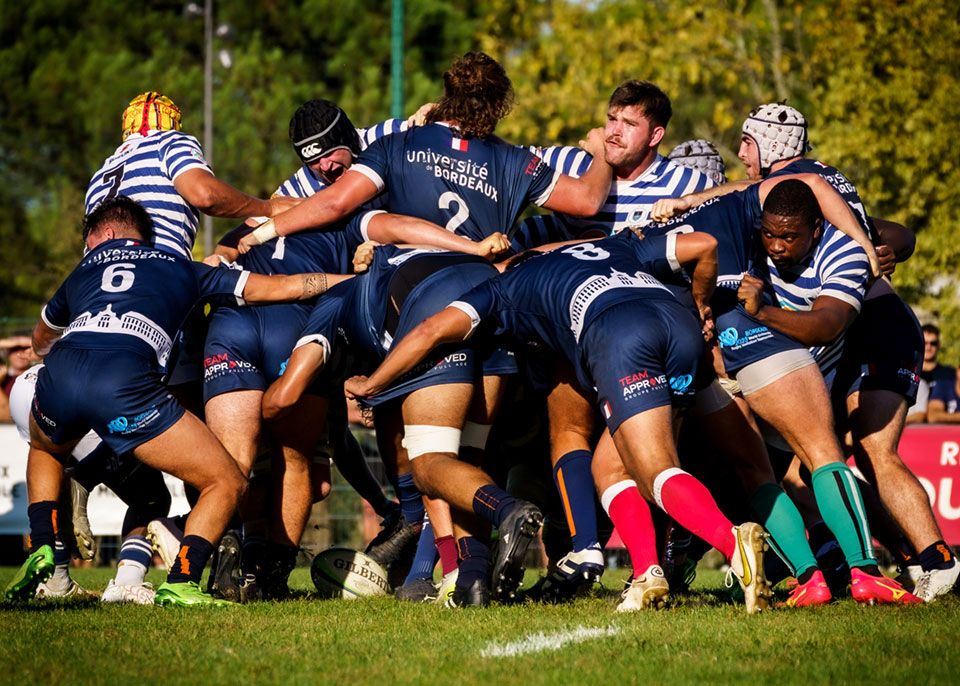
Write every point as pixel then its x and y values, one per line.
pixel 46 320
pixel 545 196
pixel 370 174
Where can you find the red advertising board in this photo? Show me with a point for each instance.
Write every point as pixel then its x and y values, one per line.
pixel 932 452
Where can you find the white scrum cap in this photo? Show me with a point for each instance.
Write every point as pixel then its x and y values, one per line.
pixel 702 155
pixel 780 132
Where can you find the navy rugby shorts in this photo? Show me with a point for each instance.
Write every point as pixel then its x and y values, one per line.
pixel 118 393
pixel 883 351
pixel 642 354
pixel 247 348
pixel 458 363
pixel 743 340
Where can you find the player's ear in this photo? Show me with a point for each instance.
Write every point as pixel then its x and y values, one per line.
pixel 658 133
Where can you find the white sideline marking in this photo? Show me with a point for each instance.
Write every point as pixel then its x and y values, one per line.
pixel 538 642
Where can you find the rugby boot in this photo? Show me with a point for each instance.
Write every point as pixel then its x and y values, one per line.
pixel 274 581
pixel 649 590
pixel 447 585
pixel 814 592
pixel 224 580
pixel 516 532
pixel 937 582
pixel 909 575
pixel 576 573
pixel 186 594
pixel 250 589
pixel 77 535
pixel 136 594
pixel 37 568
pixel 869 589
pixel 165 536
pixel 396 544
pixel 475 594
pixel 747 566
pixel 417 591
pixel 71 589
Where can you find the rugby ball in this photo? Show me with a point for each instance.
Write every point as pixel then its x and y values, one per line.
pixel 346 573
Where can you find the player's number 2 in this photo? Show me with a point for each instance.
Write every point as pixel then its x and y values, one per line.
pixel 463 212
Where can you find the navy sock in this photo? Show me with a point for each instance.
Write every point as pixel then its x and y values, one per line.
pixel 61 556
pixel 411 501
pixel 194 553
pixel 935 556
pixel 575 483
pixel 491 503
pixel 43 524
pixel 474 560
pixel 425 558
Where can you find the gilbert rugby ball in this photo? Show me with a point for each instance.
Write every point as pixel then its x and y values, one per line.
pixel 346 573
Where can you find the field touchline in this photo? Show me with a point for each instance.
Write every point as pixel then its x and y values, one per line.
pixel 538 642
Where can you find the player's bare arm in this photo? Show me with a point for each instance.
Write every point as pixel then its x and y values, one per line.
pixel 447 326
pixel 305 363
pixel 261 288
pixel 667 208
pixel 385 227
pixel 331 204
pixel 585 196
pixel 897 244
pixel 43 338
pixel 822 324
pixel 212 196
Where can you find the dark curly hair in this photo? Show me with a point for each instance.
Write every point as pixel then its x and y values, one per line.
pixel 477 95
pixel 123 212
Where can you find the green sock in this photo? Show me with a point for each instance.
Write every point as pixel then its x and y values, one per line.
pixel 841 507
pixel 788 535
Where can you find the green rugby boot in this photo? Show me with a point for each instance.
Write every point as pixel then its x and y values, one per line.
pixel 186 594
pixel 36 569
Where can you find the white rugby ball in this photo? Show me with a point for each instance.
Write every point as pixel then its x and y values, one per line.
pixel 346 573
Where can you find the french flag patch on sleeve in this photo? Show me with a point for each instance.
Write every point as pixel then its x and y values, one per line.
pixel 607 409
pixel 459 144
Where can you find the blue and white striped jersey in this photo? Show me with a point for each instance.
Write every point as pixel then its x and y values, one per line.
pixel 628 204
pixel 838 268
pixel 144 168
pixel 305 182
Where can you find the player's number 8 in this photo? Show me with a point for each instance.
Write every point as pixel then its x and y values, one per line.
pixel 117 277
pixel 586 251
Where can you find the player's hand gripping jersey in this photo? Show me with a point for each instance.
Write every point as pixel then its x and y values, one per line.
pixel 474 187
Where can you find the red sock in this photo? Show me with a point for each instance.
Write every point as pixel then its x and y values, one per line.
pixel 447 547
pixel 690 504
pixel 630 513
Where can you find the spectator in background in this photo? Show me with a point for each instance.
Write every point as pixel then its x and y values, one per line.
pixel 16 357
pixel 942 379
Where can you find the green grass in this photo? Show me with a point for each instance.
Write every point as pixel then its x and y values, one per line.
pixel 703 638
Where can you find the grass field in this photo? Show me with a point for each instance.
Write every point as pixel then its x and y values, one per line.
pixel 704 638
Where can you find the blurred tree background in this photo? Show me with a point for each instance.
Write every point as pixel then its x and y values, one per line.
pixel 879 82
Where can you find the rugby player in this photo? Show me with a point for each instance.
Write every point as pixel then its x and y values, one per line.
pixel 874 385
pixel 164 170
pixel 772 368
pixel 140 487
pixel 103 371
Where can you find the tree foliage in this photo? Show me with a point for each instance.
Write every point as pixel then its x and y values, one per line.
pixel 878 82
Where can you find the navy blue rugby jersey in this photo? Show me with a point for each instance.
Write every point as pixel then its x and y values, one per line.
pixel 474 187
pixel 551 299
pixel 329 251
pixel 128 295
pixel 732 219
pixel 353 315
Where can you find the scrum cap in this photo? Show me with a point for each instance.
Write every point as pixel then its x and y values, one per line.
pixel 319 127
pixel 149 111
pixel 779 131
pixel 702 155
